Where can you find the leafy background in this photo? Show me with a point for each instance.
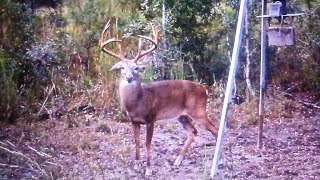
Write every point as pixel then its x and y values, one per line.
pixel 47 45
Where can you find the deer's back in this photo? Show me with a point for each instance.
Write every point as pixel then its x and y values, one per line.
pixel 172 98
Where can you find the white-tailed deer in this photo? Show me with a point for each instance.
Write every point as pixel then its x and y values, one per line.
pixel 147 103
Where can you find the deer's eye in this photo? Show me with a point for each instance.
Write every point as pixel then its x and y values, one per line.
pixel 122 67
pixel 136 68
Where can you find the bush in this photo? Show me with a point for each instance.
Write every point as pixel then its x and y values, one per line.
pixel 8 90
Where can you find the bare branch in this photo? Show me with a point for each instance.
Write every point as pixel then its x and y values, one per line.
pixel 9 166
pixel 44 102
pixel 8 142
pixel 42 154
pixel 24 156
pixel 15 153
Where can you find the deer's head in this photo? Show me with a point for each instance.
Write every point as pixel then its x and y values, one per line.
pixel 129 67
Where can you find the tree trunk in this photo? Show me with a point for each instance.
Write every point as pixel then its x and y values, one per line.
pixel 230 59
pixel 164 25
pixel 158 63
pixel 250 91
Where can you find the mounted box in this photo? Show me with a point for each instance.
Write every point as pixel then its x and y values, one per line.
pixel 281 36
pixel 275 9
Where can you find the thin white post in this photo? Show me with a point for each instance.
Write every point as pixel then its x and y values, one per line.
pixel 262 72
pixel 231 77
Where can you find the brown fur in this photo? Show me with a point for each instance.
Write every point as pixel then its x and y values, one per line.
pixel 148 103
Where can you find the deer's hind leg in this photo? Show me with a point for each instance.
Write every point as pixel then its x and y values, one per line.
pixel 202 118
pixel 205 121
pixel 192 133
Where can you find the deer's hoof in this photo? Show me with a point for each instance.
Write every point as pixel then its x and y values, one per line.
pixel 148 171
pixel 178 161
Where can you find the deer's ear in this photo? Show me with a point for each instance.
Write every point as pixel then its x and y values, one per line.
pixel 117 66
pixel 144 62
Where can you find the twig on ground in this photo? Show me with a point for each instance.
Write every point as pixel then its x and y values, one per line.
pixel 15 152
pixel 51 176
pixel 42 154
pixel 31 167
pixel 24 156
pixel 10 143
pixel 52 163
pixel 304 103
pixel 9 166
pixel 46 99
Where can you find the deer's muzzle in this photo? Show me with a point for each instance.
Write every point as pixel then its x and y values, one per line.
pixel 129 78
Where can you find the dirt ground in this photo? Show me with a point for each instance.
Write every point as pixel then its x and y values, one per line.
pixel 91 146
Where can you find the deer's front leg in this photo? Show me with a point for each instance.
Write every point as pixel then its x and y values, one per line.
pixel 150 127
pixel 136 132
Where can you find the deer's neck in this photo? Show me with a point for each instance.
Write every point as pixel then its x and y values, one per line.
pixel 130 94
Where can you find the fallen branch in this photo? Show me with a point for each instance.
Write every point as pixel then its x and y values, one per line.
pixel 24 156
pixel 42 154
pixel 31 167
pixel 46 99
pixel 304 103
pixel 51 163
pixel 9 166
pixel 11 144
pixel 15 153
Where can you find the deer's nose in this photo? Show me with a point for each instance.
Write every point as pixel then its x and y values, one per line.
pixel 129 78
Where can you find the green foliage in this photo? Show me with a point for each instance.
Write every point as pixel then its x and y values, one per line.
pixel 147 75
pixel 189 25
pixel 297 67
pixel 61 49
pixel 195 32
pixel 15 38
pixel 86 82
pixel 16 32
pixel 177 72
pixel 8 90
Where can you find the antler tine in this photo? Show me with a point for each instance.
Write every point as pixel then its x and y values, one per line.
pixel 104 43
pixel 153 40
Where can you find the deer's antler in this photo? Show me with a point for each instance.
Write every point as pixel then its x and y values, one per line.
pixel 152 39
pixel 104 43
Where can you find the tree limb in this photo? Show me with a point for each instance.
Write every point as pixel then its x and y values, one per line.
pixel 42 154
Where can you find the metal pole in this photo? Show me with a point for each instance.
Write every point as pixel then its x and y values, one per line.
pixel 231 76
pixel 262 73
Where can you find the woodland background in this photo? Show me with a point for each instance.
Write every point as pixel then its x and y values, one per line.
pixel 50 55
pixel 51 65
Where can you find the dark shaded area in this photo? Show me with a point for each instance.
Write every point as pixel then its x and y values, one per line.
pixel 35 4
